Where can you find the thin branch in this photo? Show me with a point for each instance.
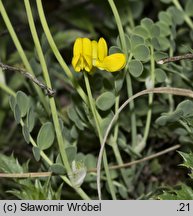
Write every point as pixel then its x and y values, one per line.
pixel 175 58
pixel 49 91
pixel 125 165
pixel 25 175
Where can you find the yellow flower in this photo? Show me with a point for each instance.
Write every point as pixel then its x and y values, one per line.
pixel 87 54
pixel 82 55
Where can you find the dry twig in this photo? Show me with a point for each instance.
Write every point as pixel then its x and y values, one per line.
pixel 175 58
pixel 49 91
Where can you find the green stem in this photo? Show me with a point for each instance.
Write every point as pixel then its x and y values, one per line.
pixel 132 106
pixel 142 145
pixel 48 83
pixel 185 126
pixel 168 83
pixel 58 131
pixel 128 78
pixel 119 26
pixel 131 20
pixel 132 110
pixel 170 97
pixel 92 105
pixel 22 53
pixel 7 89
pixel 129 28
pixel 97 123
pixel 189 82
pixel 115 146
pixel 186 17
pixel 57 53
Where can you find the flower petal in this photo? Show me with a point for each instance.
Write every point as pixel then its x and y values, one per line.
pixel 112 63
pixel 102 49
pixel 94 52
pixel 87 63
pixel 87 54
pixel 86 46
pixel 77 60
pixel 75 63
pixel 77 49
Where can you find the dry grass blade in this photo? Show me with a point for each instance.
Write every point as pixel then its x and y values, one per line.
pixel 26 175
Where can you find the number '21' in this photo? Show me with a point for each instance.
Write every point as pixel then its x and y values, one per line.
pixel 184 207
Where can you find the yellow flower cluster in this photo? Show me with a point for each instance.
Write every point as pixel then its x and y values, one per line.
pixel 88 54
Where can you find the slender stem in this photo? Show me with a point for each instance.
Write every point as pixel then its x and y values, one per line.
pixel 119 26
pixel 129 84
pixel 189 82
pixel 97 123
pixel 161 90
pixel 92 105
pixel 115 145
pixel 168 82
pixel 48 82
pixel 186 126
pixel 7 89
pixel 57 53
pixel 61 142
pixel 170 97
pixel 128 78
pixel 141 146
pixel 132 106
pixel 186 17
pixel 132 110
pixel 21 53
pixel 131 20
